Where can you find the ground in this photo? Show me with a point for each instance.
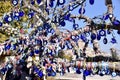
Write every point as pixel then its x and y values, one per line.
pixel 71 76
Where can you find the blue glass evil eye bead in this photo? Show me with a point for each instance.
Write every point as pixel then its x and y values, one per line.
pixel 50 51
pixel 51 30
pixel 40 74
pixel 51 4
pixel 101 74
pixel 36 69
pixel 105 40
pixel 72 37
pixel 86 72
pixel 78 71
pixel 9 46
pixel 61 2
pixel 83 37
pixel 9 66
pixel 16 14
pixel 38 1
pixel 118 31
pixel 49 74
pixel 102 32
pixel 70 7
pixel 93 36
pixel 77 37
pixel 32 2
pixel 37 51
pixel 53 73
pixel 31 14
pixel 114 74
pixel 3 70
pixel 21 13
pixel 67 17
pixel 113 40
pixel 98 37
pixel 1 24
pixel 108 32
pixel 91 2
pixel 46 26
pixel 31 53
pixel 16 17
pixel 14 2
pixel 62 23
pixel 116 22
pixel 40 28
pixel 105 17
pixel 75 26
pixel 81 11
pixel 7 19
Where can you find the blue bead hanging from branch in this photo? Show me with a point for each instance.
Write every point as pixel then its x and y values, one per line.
pixel 1 24
pixel 93 36
pixel 91 2
pixel 38 1
pixel 113 40
pixel 102 32
pixel 81 11
pixel 116 22
pixel 21 13
pixel 98 37
pixel 105 41
pixel 14 2
pixel 60 2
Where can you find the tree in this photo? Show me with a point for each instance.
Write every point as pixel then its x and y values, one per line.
pixel 49 16
pixel 40 24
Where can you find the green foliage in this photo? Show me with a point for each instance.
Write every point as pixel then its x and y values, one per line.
pixel 61 54
pixel 68 57
pixel 5 6
pixel 3 37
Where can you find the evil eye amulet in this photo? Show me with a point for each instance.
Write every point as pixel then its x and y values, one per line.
pixel 116 22
pixel 113 40
pixel 105 17
pixel 93 36
pixel 61 2
pixel 75 26
pixel 38 1
pixel 118 32
pixel 105 40
pixel 1 24
pixel 91 2
pixel 114 74
pixel 14 2
pixel 40 74
pixel 62 23
pixel 98 37
pixel 21 13
pixel 102 33
pixel 81 11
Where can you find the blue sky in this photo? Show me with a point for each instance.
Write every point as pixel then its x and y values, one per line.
pixel 99 8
